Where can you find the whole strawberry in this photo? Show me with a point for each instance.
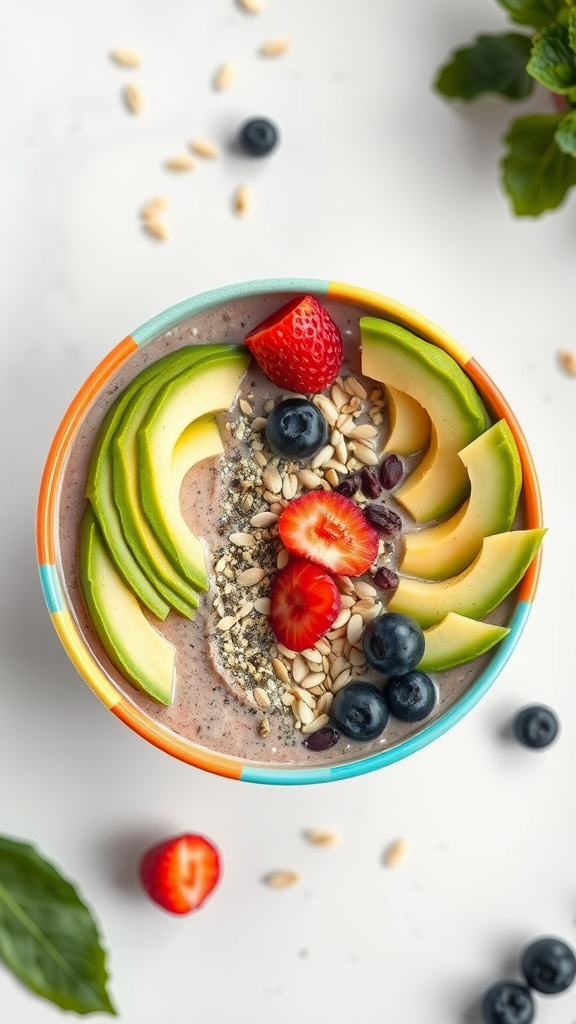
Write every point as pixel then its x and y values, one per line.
pixel 299 347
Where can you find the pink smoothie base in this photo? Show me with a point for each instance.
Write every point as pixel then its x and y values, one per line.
pixel 47 524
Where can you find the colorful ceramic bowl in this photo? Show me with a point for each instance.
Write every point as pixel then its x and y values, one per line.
pixel 49 517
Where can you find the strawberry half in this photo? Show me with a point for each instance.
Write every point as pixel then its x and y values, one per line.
pixel 329 529
pixel 304 601
pixel 299 347
pixel 180 873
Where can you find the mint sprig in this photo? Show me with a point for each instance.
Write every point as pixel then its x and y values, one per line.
pixel 539 163
pixel 48 937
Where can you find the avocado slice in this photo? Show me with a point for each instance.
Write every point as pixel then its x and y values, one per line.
pixel 500 565
pixel 455 640
pixel 205 388
pixel 138 651
pixel 395 356
pixel 495 474
pixel 408 423
pixel 154 595
pixel 126 473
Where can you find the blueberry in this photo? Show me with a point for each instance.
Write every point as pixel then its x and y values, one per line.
pixel 360 711
pixel 393 643
pixel 410 697
pixel 258 137
pixel 508 1002
pixel 536 726
pixel 549 965
pixel 296 429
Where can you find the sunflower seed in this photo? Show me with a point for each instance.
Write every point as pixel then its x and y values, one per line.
pixel 283 559
pixel 322 456
pixel 312 679
pixel 395 853
pixel 126 58
pixel 326 407
pixel 242 199
pixel 154 207
pixel 226 623
pixel 322 837
pixel 338 666
pixel 242 540
pixel 205 148
pixel 305 714
pixel 332 477
pixel 299 669
pixel 568 362
pixel 353 386
pixel 251 6
pixel 364 590
pixel 245 610
pixel 272 480
pixel 363 431
pixel 281 671
pixel 365 455
pixel 250 577
pixel 181 162
pixel 309 480
pixel 262 605
pixel 258 424
pixel 133 98
pixel 354 629
pixel 289 486
pixel 224 75
pixel 341 680
pixel 281 879
pixel 342 618
pixel 324 704
pixel 338 396
pixel 275 47
pixel 315 725
pixel 261 697
pixel 286 651
pixel 287 699
pixel 246 407
pixel 157 228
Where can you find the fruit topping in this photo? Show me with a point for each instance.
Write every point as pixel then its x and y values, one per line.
pixel 180 873
pixel 258 136
pixel 350 485
pixel 536 726
pixel 410 697
pixel 322 739
pixel 391 472
pixel 304 602
pixel 329 529
pixel 385 578
pixel 549 965
pixel 393 643
pixel 384 519
pixel 299 347
pixel 360 712
pixel 369 482
pixel 508 1002
pixel 296 429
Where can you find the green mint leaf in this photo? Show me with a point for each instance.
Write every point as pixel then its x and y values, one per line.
pixel 572 28
pixel 48 937
pixel 566 134
pixel 553 62
pixel 537 13
pixel 491 64
pixel 535 172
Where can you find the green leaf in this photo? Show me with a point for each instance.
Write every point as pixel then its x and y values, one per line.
pixel 566 134
pixel 47 935
pixel 536 173
pixel 553 62
pixel 491 64
pixel 537 13
pixel 572 28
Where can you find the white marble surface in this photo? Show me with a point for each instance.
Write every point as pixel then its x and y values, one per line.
pixel 380 183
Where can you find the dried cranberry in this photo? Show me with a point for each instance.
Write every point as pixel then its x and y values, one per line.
pixel 348 487
pixel 323 739
pixel 384 519
pixel 385 578
pixel 391 472
pixel 370 483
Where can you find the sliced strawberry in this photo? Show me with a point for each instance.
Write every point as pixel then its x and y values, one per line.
pixel 304 601
pixel 299 347
pixel 329 529
pixel 180 873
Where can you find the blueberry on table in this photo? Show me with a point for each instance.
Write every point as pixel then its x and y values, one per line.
pixel 360 712
pixel 393 643
pixel 549 965
pixel 410 697
pixel 536 726
pixel 258 137
pixel 508 1002
pixel 296 429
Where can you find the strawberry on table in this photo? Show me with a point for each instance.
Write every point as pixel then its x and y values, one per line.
pixel 304 602
pixel 330 530
pixel 180 873
pixel 299 347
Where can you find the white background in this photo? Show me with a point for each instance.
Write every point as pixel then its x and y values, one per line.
pixel 381 183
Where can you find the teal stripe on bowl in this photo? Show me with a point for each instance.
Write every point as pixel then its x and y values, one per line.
pixel 199 303
pixel 300 776
pixel 51 588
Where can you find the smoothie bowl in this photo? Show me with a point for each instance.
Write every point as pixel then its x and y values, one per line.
pixel 289 531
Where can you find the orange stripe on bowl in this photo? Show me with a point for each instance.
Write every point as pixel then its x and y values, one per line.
pixel 406 317
pixel 46 514
pixel 218 764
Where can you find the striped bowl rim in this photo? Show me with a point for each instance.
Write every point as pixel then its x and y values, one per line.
pixel 47 529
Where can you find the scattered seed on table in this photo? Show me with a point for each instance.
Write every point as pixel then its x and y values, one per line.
pixel 224 76
pixel 568 362
pixel 154 207
pixel 157 228
pixel 180 162
pixel 242 200
pixel 126 58
pixel 133 98
pixel 322 837
pixel 395 853
pixel 205 148
pixel 275 47
pixel 251 6
pixel 281 879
